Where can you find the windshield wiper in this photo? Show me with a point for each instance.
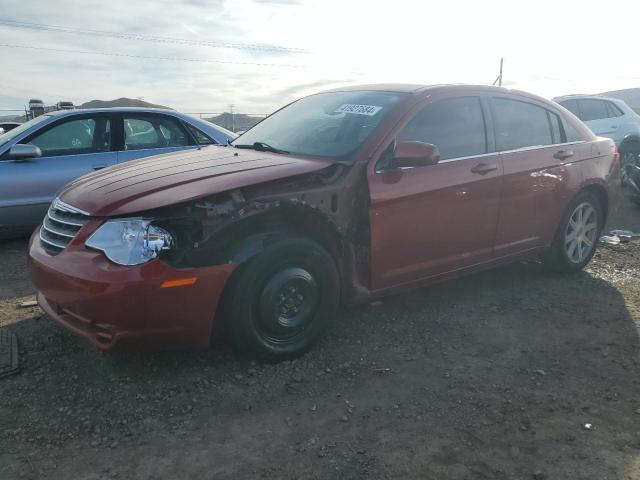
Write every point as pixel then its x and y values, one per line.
pixel 262 147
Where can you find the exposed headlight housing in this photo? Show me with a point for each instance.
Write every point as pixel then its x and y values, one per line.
pixel 130 241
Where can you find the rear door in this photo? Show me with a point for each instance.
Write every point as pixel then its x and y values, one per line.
pixel 71 147
pixel 145 134
pixel 430 220
pixel 536 155
pixel 598 116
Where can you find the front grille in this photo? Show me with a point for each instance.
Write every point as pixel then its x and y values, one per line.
pixel 61 224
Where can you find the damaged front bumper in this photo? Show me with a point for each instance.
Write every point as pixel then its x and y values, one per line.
pixel 147 305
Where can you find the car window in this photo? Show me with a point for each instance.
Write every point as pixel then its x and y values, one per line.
pixel 613 110
pixel 153 131
pixel 73 137
pixel 592 109
pixel 520 124
pixel 556 129
pixel 572 106
pixel 571 134
pixel 456 126
pixel 200 137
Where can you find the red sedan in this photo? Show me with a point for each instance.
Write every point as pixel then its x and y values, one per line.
pixel 336 198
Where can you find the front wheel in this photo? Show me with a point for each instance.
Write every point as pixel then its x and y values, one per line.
pixel 578 234
pixel 282 300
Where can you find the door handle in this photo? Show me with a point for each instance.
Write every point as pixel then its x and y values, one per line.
pixel 484 168
pixel 98 166
pixel 563 154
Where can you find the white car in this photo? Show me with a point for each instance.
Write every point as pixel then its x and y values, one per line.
pixel 614 119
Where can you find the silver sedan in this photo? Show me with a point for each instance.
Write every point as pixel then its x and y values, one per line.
pixel 41 156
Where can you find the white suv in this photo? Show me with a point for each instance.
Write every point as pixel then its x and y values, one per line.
pixel 612 118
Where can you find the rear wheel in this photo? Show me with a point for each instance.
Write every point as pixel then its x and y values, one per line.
pixel 577 236
pixel 282 300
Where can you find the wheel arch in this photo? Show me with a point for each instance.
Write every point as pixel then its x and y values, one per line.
pixel 628 139
pixel 256 232
pixel 600 192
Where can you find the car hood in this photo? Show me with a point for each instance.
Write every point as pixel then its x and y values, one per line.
pixel 178 177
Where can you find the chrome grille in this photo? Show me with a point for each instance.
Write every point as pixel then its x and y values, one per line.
pixel 61 224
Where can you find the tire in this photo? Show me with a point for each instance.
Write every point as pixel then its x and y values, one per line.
pixel 563 257
pixel 629 154
pixel 282 300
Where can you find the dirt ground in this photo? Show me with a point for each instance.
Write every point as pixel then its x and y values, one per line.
pixel 511 374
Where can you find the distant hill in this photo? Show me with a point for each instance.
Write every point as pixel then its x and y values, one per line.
pixel 630 95
pixel 120 102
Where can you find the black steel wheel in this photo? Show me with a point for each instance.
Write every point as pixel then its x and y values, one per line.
pixel 282 300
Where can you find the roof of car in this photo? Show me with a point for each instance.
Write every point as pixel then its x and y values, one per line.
pixel 417 89
pixel 112 109
pixel 583 95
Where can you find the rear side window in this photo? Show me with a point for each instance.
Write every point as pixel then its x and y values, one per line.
pixel 456 126
pixel 153 131
pixel 591 109
pixel 520 124
pixel 572 135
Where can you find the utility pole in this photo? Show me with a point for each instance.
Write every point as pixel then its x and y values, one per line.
pixel 499 79
pixel 233 118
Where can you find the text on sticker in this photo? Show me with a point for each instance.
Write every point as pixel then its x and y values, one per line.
pixel 369 110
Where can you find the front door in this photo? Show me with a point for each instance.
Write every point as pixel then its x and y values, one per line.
pixel 430 220
pixel 70 148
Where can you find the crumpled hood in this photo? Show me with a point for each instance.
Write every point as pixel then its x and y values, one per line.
pixel 179 176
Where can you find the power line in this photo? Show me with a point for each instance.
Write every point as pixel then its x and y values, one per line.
pixel 178 59
pixel 148 38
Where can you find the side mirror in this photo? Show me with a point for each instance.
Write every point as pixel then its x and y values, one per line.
pixel 24 152
pixel 414 154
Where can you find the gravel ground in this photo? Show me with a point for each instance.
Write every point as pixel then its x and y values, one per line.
pixel 511 374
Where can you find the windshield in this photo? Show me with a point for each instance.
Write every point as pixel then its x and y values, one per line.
pixel 11 134
pixel 330 124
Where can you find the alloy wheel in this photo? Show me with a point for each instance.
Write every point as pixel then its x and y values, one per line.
pixel 580 236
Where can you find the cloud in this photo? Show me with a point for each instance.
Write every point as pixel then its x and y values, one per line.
pixel 348 42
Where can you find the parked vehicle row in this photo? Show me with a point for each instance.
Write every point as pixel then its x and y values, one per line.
pixel 40 156
pixel 612 118
pixel 337 198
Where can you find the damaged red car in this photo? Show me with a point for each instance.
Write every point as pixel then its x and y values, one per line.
pixel 335 199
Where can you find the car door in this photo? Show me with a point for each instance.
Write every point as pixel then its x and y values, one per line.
pixel 430 220
pixel 536 154
pixel 146 134
pixel 71 147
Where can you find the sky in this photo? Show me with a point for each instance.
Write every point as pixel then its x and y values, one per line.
pixel 279 50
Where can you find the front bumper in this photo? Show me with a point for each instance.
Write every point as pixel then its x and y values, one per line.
pixel 112 305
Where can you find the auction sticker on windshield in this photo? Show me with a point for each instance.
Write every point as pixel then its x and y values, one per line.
pixel 369 110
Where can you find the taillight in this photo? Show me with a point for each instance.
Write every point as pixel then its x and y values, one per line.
pixel 615 153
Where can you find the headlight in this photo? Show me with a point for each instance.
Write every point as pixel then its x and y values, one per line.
pixel 130 241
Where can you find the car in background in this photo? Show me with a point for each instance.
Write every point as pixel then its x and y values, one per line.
pixel 614 119
pixel 6 126
pixel 341 196
pixel 36 107
pixel 65 105
pixel 42 155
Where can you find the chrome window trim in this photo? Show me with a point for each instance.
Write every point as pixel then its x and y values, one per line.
pixel 482 155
